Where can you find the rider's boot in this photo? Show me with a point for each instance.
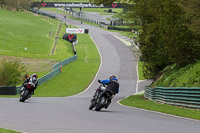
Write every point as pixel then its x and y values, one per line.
pixel 108 103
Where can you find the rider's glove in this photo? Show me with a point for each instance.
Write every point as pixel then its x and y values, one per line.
pixel 99 80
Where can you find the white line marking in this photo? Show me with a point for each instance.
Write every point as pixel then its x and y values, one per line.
pixel 123 40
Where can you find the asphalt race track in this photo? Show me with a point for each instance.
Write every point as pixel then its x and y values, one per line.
pixel 71 114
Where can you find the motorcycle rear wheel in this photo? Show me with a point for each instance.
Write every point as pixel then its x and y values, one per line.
pixel 100 105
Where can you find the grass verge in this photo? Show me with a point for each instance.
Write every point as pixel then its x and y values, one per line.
pixel 100 10
pixel 22 33
pixel 56 10
pixel 140 69
pixel 2 130
pixel 188 76
pixel 85 22
pixel 139 101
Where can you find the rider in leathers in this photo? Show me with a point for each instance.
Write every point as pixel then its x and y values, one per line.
pixel 33 79
pixel 112 84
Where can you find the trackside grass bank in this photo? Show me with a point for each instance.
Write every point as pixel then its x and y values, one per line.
pixel 188 76
pixel 77 75
pixel 139 101
pixel 2 130
pixel 25 35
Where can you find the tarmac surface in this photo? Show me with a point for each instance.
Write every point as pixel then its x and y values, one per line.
pixel 71 114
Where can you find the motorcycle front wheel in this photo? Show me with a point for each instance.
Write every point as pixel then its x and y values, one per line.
pixel 93 103
pixel 24 96
pixel 91 106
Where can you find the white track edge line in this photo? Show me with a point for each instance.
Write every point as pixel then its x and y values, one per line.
pixel 96 73
pixel 157 112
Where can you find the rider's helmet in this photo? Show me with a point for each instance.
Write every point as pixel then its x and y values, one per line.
pixel 34 78
pixel 34 75
pixel 112 76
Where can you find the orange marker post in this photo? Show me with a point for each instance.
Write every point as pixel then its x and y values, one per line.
pixel 61 69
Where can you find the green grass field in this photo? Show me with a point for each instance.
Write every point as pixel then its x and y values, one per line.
pixel 30 35
pixel 25 35
pixel 20 30
pixel 77 75
pixel 65 83
pixel 2 130
pixel 138 101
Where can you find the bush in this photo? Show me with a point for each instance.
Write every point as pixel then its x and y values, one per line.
pixel 11 72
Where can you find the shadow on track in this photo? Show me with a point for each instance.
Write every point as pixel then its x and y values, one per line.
pixel 107 111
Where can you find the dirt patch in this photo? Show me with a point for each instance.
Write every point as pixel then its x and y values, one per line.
pixel 35 14
pixel 33 64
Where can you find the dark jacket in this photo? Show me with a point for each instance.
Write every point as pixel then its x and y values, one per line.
pixel 112 84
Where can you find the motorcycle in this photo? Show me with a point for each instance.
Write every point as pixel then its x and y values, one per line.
pixel 102 98
pixel 26 91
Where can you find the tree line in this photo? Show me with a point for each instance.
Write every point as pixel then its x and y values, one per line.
pixel 16 4
pixel 170 32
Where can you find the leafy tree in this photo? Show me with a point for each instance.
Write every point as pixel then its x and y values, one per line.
pixel 170 32
pixel 17 4
pixel 192 14
pixel 2 2
pixel 105 2
pixel 25 4
pixel 152 47
pixel 165 39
